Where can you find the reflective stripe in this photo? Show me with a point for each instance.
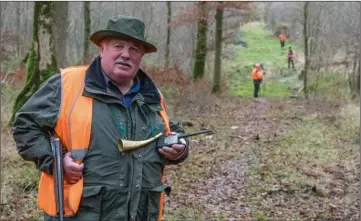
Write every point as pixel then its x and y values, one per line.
pixel 78 154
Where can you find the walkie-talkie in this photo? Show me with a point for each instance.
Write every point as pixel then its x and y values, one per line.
pixel 168 141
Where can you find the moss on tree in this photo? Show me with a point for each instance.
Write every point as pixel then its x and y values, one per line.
pixel 201 45
pixel 217 58
pixel 42 25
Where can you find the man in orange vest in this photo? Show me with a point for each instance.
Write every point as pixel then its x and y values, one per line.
pixel 90 109
pixel 257 77
pixel 282 38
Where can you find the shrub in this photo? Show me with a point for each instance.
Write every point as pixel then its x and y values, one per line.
pixel 279 28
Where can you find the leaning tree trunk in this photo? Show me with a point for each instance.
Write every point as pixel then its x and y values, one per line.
pixel 201 45
pixel 41 62
pixel 169 6
pixel 87 23
pixel 217 58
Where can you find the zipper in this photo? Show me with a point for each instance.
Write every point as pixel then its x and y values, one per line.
pixel 131 132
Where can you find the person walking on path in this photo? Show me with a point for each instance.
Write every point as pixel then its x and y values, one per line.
pixel 291 54
pixel 257 77
pixel 282 38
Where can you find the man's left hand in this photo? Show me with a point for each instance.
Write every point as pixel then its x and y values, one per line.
pixel 172 153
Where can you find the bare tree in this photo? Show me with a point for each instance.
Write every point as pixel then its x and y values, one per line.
pixel 217 58
pixel 201 48
pixel 169 6
pixel 61 32
pixel 87 25
pixel 18 28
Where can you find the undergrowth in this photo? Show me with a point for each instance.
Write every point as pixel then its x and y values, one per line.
pixel 316 161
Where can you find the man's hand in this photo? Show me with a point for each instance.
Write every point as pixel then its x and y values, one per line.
pixel 72 170
pixel 175 152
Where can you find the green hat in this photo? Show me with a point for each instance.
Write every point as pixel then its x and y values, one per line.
pixel 125 27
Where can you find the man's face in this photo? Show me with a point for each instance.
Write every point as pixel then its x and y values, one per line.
pixel 120 59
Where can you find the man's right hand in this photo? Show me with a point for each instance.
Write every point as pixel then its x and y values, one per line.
pixel 72 170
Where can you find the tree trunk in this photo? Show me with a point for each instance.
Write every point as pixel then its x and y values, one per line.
pixel 355 79
pixel 266 14
pixel 358 77
pixel 18 29
pixel 201 45
pixel 217 58
pixel 25 26
pixel 41 63
pixel 61 32
pixel 169 6
pixel 305 37
pixel 87 24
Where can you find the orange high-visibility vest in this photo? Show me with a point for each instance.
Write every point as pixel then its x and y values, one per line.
pixel 73 129
pixel 256 74
pixel 282 37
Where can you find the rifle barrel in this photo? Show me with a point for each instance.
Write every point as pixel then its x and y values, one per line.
pixel 59 178
pixel 193 134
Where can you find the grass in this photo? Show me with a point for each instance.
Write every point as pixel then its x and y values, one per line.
pixel 19 178
pixel 262 48
pixel 330 83
pixel 268 89
pixel 317 159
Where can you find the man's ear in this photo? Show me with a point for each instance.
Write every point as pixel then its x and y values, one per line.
pixel 101 48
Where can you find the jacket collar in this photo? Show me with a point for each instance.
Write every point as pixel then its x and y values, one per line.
pixel 95 80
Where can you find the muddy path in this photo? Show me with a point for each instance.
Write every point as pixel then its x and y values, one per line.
pixel 221 193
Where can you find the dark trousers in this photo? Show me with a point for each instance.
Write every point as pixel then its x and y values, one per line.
pixel 282 44
pixel 257 84
pixel 290 61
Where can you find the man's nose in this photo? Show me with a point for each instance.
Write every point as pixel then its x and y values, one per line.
pixel 125 53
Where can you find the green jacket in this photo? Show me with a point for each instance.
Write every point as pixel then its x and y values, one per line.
pixel 117 185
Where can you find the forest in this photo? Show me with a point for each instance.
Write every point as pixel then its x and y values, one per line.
pixel 290 153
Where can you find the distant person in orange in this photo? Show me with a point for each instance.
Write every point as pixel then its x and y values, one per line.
pixel 257 77
pixel 282 38
pixel 291 54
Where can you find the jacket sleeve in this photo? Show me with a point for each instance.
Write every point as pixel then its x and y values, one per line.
pixel 33 122
pixel 174 127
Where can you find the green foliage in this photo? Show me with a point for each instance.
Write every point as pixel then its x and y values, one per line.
pixel 279 28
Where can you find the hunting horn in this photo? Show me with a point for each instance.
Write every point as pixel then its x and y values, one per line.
pixel 125 145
